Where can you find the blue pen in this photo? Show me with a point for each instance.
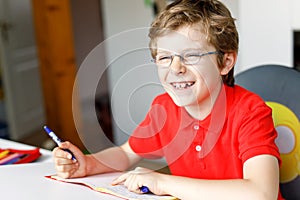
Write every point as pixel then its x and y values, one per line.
pixel 144 189
pixel 57 140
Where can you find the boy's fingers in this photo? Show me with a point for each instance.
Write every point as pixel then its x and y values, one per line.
pixel 60 153
pixel 120 179
pixel 65 145
pixel 63 161
pixel 70 146
pixel 64 174
pixel 54 151
pixel 64 168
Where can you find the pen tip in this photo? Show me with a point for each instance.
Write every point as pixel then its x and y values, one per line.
pixel 46 128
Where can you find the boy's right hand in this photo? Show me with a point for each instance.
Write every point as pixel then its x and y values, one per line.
pixel 64 165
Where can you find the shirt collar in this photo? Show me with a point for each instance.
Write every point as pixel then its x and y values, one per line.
pixel 215 120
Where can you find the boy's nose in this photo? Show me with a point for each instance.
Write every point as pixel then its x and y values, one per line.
pixel 177 66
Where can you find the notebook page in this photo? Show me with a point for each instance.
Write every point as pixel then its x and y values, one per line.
pixel 102 183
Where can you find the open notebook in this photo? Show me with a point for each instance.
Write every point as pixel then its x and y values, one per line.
pixel 102 183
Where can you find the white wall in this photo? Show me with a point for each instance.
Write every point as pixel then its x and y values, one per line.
pixel 133 81
pixel 294 6
pixel 265 28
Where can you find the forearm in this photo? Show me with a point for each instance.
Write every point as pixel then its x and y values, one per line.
pixel 190 189
pixel 108 160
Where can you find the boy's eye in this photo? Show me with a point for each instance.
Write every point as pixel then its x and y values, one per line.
pixel 161 58
pixel 192 57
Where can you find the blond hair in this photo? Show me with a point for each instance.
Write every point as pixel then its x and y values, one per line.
pixel 216 22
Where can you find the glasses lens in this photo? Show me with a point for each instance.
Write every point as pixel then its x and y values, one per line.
pixel 163 60
pixel 191 58
pixel 187 58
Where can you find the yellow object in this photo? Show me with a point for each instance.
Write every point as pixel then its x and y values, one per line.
pixel 288 140
pixel 3 153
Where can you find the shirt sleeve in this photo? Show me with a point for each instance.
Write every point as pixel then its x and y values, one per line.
pixel 257 134
pixel 145 139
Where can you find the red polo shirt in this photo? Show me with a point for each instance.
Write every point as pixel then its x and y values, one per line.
pixel 239 127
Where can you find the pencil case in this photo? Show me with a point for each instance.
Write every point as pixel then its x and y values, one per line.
pixel 18 156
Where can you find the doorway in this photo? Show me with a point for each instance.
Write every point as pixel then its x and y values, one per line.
pixel 297 50
pixel 22 102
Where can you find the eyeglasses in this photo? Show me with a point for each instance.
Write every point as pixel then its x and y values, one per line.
pixel 187 58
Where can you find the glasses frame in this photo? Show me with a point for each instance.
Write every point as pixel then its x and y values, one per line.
pixel 182 60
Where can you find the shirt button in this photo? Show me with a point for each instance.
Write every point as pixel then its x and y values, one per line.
pixel 198 148
pixel 196 127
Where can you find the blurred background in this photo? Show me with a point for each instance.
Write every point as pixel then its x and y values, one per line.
pixel 43 45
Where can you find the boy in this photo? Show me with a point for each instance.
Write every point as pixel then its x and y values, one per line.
pixel 218 139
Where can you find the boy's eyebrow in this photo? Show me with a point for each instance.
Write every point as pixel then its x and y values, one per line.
pixel 163 51
pixel 193 49
pixel 182 51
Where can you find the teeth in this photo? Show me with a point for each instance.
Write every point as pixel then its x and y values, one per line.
pixel 182 85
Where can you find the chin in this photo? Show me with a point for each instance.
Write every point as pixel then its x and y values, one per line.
pixel 181 101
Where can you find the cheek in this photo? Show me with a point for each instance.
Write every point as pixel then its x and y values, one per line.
pixel 162 75
pixel 208 75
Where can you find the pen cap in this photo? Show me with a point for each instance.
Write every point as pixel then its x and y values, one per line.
pixel 48 130
pixel 144 189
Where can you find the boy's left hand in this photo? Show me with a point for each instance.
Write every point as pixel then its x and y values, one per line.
pixel 139 177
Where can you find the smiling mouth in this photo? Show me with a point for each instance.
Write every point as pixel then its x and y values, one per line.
pixel 182 85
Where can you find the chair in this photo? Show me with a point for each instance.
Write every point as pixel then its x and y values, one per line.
pixel 279 86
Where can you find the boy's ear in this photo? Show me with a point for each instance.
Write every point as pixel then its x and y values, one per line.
pixel 229 60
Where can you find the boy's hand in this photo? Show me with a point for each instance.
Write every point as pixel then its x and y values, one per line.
pixel 65 166
pixel 139 177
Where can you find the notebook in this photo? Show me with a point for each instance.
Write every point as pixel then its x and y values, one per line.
pixel 102 183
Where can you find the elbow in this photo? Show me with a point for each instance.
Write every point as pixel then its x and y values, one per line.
pixel 261 193
pixel 264 195
pixel 261 196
